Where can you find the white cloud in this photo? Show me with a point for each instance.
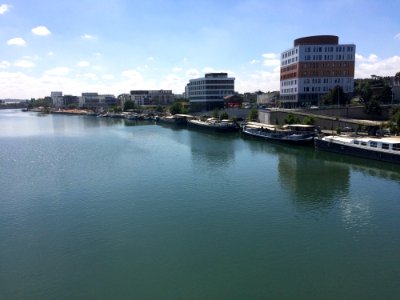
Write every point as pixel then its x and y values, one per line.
pixel 41 30
pixel 50 53
pixel 88 37
pixel 173 82
pixel 359 57
pixel 4 64
pixel 271 59
pixel 108 77
pixel 4 8
pixel 375 66
pixel 132 75
pixel 83 64
pixel 91 76
pixel 97 54
pixel 151 58
pixel 96 68
pixel 193 73
pixel 208 70
pixel 20 42
pixel 177 69
pixel 254 61
pixel 58 71
pixel 260 80
pixel 397 36
pixel 24 64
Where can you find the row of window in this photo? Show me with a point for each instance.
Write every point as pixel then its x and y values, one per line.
pixel 211 87
pixel 215 92
pixel 319 65
pixel 324 89
pixel 290 61
pixel 330 57
pixel 290 53
pixel 329 49
pixel 206 82
pixel 288 82
pixel 395 147
pixel 289 91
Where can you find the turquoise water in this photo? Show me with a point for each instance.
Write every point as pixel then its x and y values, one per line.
pixel 95 208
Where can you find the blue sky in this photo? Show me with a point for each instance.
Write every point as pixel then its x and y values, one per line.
pixel 114 46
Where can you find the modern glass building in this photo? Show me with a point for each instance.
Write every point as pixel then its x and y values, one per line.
pixel 208 92
pixel 315 65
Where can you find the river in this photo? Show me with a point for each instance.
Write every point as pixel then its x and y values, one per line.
pixel 95 208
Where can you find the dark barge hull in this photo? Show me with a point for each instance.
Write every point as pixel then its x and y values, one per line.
pixel 354 151
pixel 304 142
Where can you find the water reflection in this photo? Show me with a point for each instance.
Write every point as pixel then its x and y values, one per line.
pixel 212 151
pixel 314 183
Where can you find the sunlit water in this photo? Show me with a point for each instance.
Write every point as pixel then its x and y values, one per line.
pixel 95 208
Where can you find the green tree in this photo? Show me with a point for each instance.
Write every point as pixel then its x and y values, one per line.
pixel 373 107
pixel 253 115
pixel 129 105
pixel 395 120
pixel 224 116
pixel 386 94
pixel 175 108
pixel 215 113
pixel 290 119
pixel 308 120
pixel 335 96
pixel 363 89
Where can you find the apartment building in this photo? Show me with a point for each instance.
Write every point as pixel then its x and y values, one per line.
pixel 315 65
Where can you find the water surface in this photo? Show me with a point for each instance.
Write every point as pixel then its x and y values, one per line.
pixel 98 208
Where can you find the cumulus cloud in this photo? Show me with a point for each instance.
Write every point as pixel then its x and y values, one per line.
pixel 254 61
pixel 4 64
pixel 177 69
pixel 83 64
pixel 192 73
pixel 259 80
pixel 4 8
pixel 271 59
pixel 20 42
pixel 208 70
pixel 58 71
pixel 88 37
pixel 24 64
pixel 107 77
pixel 373 65
pixel 41 30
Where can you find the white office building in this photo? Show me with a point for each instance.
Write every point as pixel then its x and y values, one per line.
pixel 208 92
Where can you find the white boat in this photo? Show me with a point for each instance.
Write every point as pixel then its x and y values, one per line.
pixel 214 124
pixel 378 148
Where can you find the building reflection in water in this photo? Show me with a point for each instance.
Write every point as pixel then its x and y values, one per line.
pixel 211 151
pixel 314 183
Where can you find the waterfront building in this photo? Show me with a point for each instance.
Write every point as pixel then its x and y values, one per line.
pixel 97 102
pixel 152 97
pixel 207 93
pixel 57 99
pixel 70 101
pixel 315 65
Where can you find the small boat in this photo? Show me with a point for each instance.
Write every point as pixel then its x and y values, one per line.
pixel 214 124
pixel 377 148
pixel 292 134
